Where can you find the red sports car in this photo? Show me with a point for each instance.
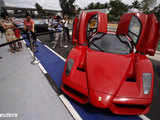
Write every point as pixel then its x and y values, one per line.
pixel 111 69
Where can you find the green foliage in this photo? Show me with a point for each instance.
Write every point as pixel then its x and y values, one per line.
pixel 118 8
pixel 68 7
pixel 156 11
pixel 146 4
pixel 91 6
pixel 40 10
pixel 136 4
pixel 3 12
pixel 97 5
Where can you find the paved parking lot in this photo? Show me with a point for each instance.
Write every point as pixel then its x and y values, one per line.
pixel 25 90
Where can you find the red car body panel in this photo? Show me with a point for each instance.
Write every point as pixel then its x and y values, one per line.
pixel 74 34
pixel 77 78
pixel 109 80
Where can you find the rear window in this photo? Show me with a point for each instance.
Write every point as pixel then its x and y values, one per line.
pixel 110 43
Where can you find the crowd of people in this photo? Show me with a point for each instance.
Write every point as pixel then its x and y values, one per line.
pixel 57 27
pixel 59 31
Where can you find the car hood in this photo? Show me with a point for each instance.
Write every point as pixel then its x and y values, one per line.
pixel 106 71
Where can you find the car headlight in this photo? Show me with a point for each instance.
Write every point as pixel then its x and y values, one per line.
pixel 147 81
pixel 69 66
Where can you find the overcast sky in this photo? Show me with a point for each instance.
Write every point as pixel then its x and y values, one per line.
pixel 54 4
pixel 84 3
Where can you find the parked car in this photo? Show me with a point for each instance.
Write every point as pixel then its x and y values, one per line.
pixel 111 69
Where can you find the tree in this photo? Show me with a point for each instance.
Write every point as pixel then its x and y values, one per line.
pixel 136 4
pixel 118 8
pixel 3 12
pixel 40 10
pixel 91 6
pixel 156 11
pixel 97 5
pixel 147 4
pixel 68 7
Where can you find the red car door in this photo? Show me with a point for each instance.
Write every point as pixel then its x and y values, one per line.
pixel 100 25
pixel 75 30
pixel 143 30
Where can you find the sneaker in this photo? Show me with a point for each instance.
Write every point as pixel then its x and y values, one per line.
pixel 12 51
pixel 65 46
pixel 35 62
pixel 34 50
pixel 17 50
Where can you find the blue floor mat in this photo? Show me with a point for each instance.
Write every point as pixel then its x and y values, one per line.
pixel 54 66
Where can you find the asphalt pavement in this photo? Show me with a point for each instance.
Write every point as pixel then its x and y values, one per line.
pixel 154 113
pixel 25 91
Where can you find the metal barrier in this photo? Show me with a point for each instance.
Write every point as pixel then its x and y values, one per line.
pixel 8 43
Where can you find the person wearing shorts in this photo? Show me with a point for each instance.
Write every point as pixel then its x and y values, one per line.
pixel 29 30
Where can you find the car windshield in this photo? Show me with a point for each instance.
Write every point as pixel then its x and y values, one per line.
pixel 110 43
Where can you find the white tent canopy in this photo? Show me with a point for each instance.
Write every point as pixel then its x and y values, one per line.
pixel 46 4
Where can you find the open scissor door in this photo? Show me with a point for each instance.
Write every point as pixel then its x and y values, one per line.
pixel 91 23
pixel 142 29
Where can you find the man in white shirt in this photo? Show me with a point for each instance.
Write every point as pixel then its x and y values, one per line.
pixel 58 32
pixel 66 35
pixel 51 28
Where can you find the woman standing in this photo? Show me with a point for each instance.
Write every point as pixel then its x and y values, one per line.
pixel 8 26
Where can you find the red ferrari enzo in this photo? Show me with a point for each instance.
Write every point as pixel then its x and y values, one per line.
pixel 111 69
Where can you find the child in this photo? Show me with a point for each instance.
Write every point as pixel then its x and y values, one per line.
pixel 18 36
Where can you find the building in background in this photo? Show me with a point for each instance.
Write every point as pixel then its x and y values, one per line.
pixel 19 8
